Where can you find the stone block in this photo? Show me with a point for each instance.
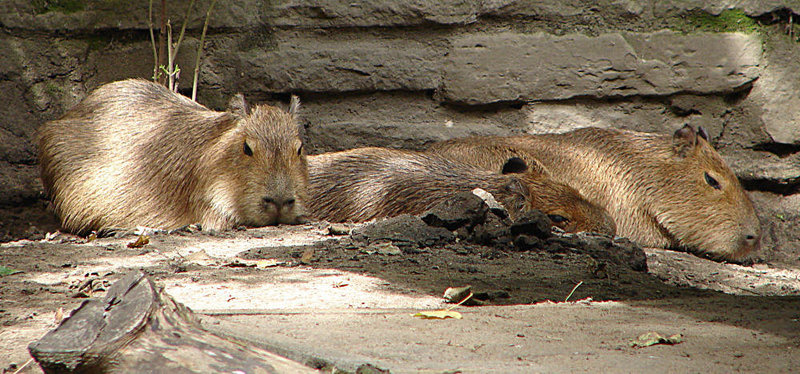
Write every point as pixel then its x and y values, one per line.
pixel 509 66
pixel 329 64
pixel 97 15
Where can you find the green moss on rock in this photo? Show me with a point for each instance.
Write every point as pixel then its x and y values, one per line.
pixel 62 6
pixel 731 20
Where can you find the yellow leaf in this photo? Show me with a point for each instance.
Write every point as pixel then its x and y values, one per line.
pixel 653 338
pixel 438 314
pixel 268 263
pixel 140 242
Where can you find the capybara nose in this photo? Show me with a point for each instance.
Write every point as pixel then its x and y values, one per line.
pixel 278 202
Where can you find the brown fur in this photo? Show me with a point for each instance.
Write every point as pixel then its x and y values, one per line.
pixel 653 185
pixel 366 183
pixel 136 154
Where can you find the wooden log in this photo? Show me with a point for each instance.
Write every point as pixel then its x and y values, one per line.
pixel 138 328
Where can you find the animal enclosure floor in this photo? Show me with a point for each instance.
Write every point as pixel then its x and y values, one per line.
pixel 353 306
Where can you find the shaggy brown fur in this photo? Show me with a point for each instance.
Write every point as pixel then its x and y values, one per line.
pixel 136 154
pixel 663 191
pixel 366 183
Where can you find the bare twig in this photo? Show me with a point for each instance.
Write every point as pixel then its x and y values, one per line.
pixel 152 40
pixel 460 302
pixel 183 30
pixel 200 51
pixel 170 62
pixel 573 291
pixel 23 366
pixel 162 41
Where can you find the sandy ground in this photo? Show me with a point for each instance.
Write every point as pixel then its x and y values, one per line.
pixel 348 305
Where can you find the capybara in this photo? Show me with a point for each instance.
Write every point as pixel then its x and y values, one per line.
pixel 365 183
pixel 662 191
pixel 134 153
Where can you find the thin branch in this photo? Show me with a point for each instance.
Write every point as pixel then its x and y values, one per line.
pixel 162 41
pixel 183 29
pixel 200 51
pixel 170 65
pixel 152 40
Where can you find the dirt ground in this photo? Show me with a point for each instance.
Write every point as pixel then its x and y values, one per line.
pixel 308 268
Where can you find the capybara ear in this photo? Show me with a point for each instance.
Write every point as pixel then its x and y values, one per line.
pixel 294 106
pixel 684 140
pixel 702 132
pixel 514 165
pixel 237 105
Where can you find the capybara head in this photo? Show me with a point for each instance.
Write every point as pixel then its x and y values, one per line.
pixel 712 214
pixel 565 207
pixel 264 157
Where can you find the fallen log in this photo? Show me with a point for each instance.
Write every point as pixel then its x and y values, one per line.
pixel 138 328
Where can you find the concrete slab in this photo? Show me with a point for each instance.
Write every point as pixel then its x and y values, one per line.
pixel 567 337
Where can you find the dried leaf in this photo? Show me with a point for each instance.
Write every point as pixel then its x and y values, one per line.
pixel 268 263
pixel 307 255
pixel 340 284
pixel 259 264
pixel 437 314
pixel 140 242
pixel 653 338
pixel 201 258
pixel 59 315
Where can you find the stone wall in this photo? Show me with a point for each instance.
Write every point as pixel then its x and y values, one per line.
pixel 405 73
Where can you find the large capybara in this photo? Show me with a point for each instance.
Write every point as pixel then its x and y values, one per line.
pixel 365 183
pixel 134 153
pixel 662 191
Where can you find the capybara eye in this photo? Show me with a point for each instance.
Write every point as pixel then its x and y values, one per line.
pixel 712 182
pixel 247 149
pixel 557 218
pixel 300 150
